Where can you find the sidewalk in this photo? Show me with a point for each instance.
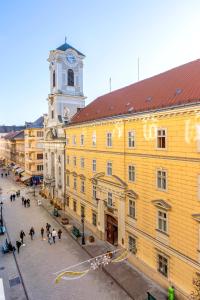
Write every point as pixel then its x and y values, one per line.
pixel 131 280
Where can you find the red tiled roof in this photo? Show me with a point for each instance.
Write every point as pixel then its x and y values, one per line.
pixel 177 86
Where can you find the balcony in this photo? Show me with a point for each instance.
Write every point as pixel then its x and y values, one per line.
pixel 49 179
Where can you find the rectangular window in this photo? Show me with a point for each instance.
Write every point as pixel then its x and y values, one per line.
pixel 198 187
pixel 82 163
pixel 67 201
pixel 39 156
pixel 39 167
pixel 67 159
pixel 132 244
pixel 94 192
pixel 110 202
pixel 75 183
pixel 94 139
pixel 162 179
pixel 40 133
pixel 52 114
pixel 162 221
pixel 131 139
pixel 74 206
pixel 74 139
pixel 131 173
pixel 82 186
pixel 94 219
pixel 163 265
pixel 109 168
pixel 82 140
pixel 67 180
pixel 109 139
pixel 82 210
pixel 132 209
pixel 74 161
pixel 161 138
pixel 94 165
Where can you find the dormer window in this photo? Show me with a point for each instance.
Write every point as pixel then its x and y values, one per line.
pixel 54 78
pixel 70 76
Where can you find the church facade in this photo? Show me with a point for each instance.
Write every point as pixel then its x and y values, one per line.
pixel 65 99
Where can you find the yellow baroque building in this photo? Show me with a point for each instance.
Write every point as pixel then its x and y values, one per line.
pixel 133 170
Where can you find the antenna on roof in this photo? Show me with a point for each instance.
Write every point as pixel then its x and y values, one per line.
pixel 110 84
pixel 65 39
pixel 138 65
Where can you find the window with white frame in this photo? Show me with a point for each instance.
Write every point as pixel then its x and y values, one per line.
pixel 39 167
pixel 67 159
pixel 67 140
pixel 132 244
pixel 82 186
pixel 82 162
pixel 94 219
pixel 162 179
pixel 74 161
pixel 162 221
pixel 109 139
pixel 74 205
pixel 131 139
pixel 110 199
pixel 131 173
pixel 94 192
pixel 163 265
pixel 74 139
pixel 94 165
pixel 161 138
pixel 109 168
pixel 75 183
pixel 82 140
pixel 132 209
pixel 198 187
pixel 67 180
pixel 82 210
pixel 40 133
pixel 94 139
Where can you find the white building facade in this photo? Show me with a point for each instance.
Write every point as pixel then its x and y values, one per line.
pixel 65 99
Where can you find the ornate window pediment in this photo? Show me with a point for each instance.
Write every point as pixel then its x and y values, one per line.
pixel 161 204
pixel 74 174
pixel 131 194
pixel 196 217
pixel 67 172
pixel 82 176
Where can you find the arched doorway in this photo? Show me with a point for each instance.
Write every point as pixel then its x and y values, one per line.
pixel 112 230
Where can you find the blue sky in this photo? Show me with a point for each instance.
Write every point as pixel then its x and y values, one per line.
pixel 112 34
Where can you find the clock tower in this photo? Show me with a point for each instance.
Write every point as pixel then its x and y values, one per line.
pixel 65 99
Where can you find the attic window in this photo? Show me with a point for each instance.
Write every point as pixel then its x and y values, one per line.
pixel 148 99
pixel 130 109
pixel 178 91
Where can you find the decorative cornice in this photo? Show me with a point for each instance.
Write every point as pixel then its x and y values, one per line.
pixel 161 204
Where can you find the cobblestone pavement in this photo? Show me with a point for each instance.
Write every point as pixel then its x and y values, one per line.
pixel 38 260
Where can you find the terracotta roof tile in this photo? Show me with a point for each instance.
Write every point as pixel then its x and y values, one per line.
pixel 177 86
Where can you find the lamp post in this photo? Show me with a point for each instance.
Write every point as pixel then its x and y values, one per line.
pixel 1 221
pixel 83 223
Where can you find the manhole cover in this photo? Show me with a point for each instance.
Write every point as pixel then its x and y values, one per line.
pixel 2 268
pixel 14 281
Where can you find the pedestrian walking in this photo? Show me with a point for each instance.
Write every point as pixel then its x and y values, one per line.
pixel 18 245
pixel 49 235
pixel 11 198
pixel 22 200
pixel 6 174
pixel 42 232
pixel 25 201
pixel 28 202
pixel 59 234
pixel 32 232
pixel 48 226
pixel 54 234
pixel 1 174
pixel 22 235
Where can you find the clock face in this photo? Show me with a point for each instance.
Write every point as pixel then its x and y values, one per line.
pixel 71 58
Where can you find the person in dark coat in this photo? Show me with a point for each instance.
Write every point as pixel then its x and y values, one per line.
pixel 25 201
pixel 22 200
pixel 28 202
pixel 32 232
pixel 42 232
pixel 22 235
pixel 59 233
pixel 11 198
pixel 18 245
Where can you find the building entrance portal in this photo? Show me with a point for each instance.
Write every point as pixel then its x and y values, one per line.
pixel 112 230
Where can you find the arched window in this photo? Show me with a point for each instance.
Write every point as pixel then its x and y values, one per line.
pixel 54 78
pixel 70 76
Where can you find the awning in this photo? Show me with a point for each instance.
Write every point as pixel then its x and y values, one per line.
pixel 24 178
pixel 19 170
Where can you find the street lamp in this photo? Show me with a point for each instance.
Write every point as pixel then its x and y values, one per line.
pixel 83 233
pixel 1 221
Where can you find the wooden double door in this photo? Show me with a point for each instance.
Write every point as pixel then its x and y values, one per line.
pixel 112 230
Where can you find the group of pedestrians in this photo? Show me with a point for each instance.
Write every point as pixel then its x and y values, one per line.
pixel 13 196
pixel 26 202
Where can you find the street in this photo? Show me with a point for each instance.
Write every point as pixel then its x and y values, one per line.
pixel 38 260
